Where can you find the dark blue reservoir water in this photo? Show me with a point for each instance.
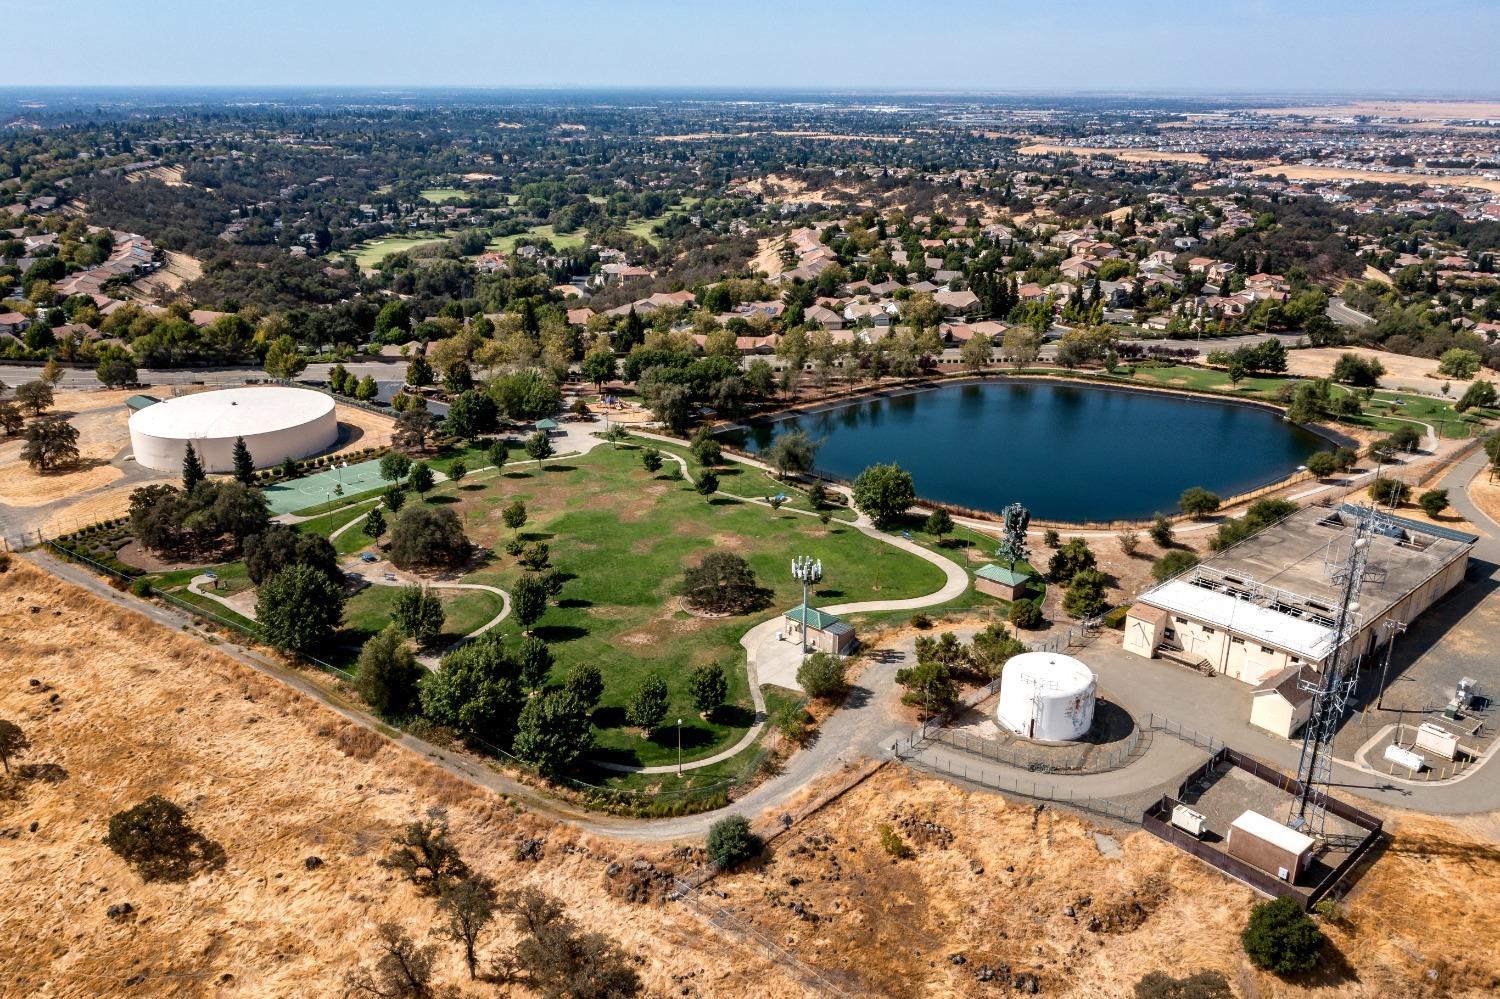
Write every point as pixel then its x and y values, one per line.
pixel 1072 453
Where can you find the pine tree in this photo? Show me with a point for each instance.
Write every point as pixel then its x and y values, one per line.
pixel 244 465
pixel 192 469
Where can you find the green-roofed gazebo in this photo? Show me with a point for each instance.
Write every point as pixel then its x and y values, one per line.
pixel 998 581
pixel 547 425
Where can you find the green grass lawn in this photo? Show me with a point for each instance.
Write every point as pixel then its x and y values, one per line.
pixel 561 241
pixel 369 611
pixel 623 538
pixel 371 252
pixel 438 195
pixel 745 481
pixel 1384 413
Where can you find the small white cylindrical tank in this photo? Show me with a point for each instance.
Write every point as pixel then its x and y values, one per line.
pixel 1046 696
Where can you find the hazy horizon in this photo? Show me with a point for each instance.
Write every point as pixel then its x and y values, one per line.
pixel 967 47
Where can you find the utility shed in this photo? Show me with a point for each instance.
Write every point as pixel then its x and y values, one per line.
pixel 136 403
pixel 1282 704
pixel 1267 844
pixel 998 581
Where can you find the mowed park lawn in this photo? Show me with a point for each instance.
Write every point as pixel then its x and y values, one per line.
pixel 1384 412
pixel 622 537
pixel 372 252
pixel 438 195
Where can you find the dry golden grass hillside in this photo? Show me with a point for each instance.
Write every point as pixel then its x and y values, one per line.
pixel 124 708
pixel 127 709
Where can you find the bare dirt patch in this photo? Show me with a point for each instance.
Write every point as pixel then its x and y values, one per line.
pixel 1486 495
pixel 1377 177
pixel 360 428
pixel 170 279
pixel 1419 374
pixel 101 420
pixel 1419 110
pixel 1128 155
pixel 275 778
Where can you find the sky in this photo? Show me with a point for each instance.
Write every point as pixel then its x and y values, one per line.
pixel 1412 47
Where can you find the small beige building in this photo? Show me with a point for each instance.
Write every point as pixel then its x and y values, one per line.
pixel 825 633
pixel 1283 703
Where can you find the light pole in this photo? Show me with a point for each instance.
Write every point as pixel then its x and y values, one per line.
pixel 679 747
pixel 1392 628
pixel 805 570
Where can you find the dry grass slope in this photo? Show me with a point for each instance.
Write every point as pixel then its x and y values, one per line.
pixel 275 778
pixel 133 709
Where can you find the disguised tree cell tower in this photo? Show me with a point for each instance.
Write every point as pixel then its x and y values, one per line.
pixel 1016 519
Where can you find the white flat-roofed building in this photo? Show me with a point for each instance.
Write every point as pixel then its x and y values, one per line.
pixel 1268 604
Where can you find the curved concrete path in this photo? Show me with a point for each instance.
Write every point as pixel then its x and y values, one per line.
pixel 754 641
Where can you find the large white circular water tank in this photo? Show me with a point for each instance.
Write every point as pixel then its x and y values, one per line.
pixel 1046 696
pixel 276 422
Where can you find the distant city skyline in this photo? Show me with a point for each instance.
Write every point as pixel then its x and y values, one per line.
pixel 1376 47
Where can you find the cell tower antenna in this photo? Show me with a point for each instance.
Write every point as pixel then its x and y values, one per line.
pixel 1332 688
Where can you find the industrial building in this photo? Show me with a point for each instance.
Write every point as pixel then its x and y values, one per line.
pixel 1263 610
pixel 276 423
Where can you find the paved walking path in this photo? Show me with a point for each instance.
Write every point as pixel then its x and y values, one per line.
pixel 771 661
pixel 428 659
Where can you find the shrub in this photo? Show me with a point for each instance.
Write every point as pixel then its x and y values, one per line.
pixel 140 587
pixel 1171 564
pixel 1069 560
pixel 1129 542
pixel 921 621
pixel 789 718
pixel 822 676
pixel 723 583
pixel 156 839
pixel 1389 492
pixel 730 842
pixel 892 843
pixel 884 492
pixel 1322 464
pixel 1198 502
pixel 1280 937
pixel 1161 531
pixel 1199 985
pixel 1433 502
pixel 1085 596
pixel 428 536
pixel 1051 538
pixel 1025 614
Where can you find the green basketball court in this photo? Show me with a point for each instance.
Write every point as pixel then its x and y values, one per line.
pixel 320 487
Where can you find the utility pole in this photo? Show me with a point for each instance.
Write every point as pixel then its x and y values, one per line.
pixel 679 747
pixel 1392 628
